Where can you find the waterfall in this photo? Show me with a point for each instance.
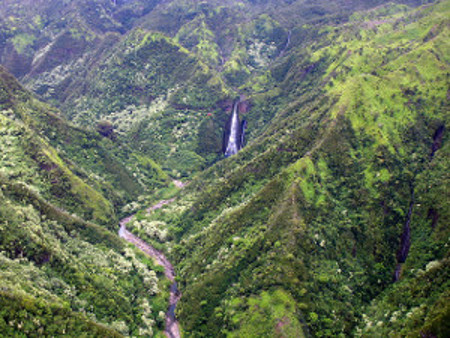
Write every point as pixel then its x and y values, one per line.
pixel 233 144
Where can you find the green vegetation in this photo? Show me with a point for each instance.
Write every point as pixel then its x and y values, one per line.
pixel 315 206
pixel 22 41
pixel 332 221
pixel 272 314
pixel 60 271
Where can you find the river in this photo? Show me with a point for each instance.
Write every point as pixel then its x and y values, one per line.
pixel 172 329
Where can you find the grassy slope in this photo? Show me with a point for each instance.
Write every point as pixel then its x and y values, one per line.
pixel 313 209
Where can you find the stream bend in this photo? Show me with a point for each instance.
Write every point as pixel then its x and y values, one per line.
pixel 172 329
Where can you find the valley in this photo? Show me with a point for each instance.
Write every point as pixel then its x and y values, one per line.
pixel 277 168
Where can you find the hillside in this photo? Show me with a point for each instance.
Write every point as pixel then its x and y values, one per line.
pixel 331 221
pixel 61 272
pixel 304 230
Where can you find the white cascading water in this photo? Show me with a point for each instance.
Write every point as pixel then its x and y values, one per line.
pixel 233 140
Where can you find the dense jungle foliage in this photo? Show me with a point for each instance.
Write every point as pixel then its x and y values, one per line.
pixel 332 221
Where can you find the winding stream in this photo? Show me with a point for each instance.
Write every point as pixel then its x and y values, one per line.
pixel 172 329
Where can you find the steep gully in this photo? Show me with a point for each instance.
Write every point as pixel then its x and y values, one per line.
pixel 172 329
pixel 405 238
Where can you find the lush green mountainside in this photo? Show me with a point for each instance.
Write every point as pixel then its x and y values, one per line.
pixel 332 221
pixel 139 63
pixel 61 274
pixel 303 231
pixel 84 166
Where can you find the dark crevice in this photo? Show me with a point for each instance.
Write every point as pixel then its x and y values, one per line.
pixel 434 216
pixel 405 239
pixel 437 140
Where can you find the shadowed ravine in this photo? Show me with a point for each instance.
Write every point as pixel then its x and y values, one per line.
pixel 172 329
